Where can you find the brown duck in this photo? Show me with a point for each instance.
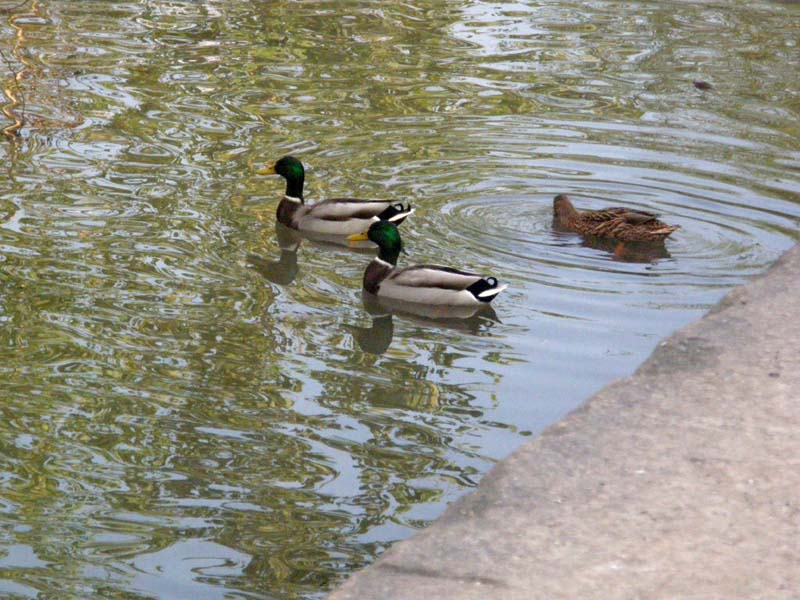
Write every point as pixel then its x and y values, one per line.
pixel 622 224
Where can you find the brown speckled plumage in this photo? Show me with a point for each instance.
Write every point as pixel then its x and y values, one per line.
pixel 623 224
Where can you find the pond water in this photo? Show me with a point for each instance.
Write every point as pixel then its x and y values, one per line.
pixel 190 411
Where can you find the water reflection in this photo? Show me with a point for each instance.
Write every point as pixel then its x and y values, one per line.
pixel 633 252
pixel 285 269
pixel 377 338
pixel 188 569
pixel 281 272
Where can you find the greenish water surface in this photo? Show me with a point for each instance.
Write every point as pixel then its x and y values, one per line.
pixel 192 410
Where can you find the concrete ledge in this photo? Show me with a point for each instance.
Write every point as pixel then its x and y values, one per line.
pixel 682 481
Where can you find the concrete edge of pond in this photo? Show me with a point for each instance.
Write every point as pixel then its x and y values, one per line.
pixel 680 481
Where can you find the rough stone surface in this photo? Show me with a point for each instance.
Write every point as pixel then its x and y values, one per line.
pixel 682 481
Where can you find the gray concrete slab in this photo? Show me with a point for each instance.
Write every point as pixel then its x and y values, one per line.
pixel 682 481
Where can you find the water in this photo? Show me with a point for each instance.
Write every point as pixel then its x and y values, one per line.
pixel 176 424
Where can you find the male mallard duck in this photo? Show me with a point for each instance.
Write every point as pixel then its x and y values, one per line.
pixel 622 224
pixel 337 216
pixel 422 284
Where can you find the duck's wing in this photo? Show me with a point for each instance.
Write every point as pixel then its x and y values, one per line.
pixel 638 217
pixel 433 284
pixel 339 209
pixel 626 224
pixel 346 216
pixel 435 276
pixel 618 213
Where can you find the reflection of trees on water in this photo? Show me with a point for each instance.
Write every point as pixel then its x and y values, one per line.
pixel 33 87
pixel 187 431
pixel 157 393
pixel 14 109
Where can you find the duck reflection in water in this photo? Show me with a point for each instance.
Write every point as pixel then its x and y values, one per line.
pixel 631 252
pixel 377 338
pixel 284 270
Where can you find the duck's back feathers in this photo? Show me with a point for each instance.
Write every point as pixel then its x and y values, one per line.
pixel 342 209
pixel 626 226
pixel 633 217
pixel 340 216
pixel 433 284
pixel 435 276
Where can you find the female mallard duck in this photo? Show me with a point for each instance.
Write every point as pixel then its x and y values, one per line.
pixel 622 224
pixel 337 216
pixel 422 284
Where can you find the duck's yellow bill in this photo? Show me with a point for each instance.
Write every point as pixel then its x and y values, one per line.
pixel 266 170
pixel 358 237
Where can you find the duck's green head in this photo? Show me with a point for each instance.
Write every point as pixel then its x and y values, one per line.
pixel 291 169
pixel 386 235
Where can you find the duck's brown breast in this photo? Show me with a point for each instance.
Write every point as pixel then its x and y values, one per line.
pixel 376 272
pixel 288 212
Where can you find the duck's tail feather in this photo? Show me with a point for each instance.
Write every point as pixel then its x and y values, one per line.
pixel 396 213
pixel 486 289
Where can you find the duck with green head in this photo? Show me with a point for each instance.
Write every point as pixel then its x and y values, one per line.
pixel 421 284
pixel 337 216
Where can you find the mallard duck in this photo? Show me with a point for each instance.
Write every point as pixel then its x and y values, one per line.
pixel 422 284
pixel 622 224
pixel 337 216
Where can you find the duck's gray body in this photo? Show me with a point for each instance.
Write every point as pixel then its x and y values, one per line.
pixel 338 216
pixel 429 284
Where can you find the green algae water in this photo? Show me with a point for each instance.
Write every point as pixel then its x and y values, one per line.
pixel 195 407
